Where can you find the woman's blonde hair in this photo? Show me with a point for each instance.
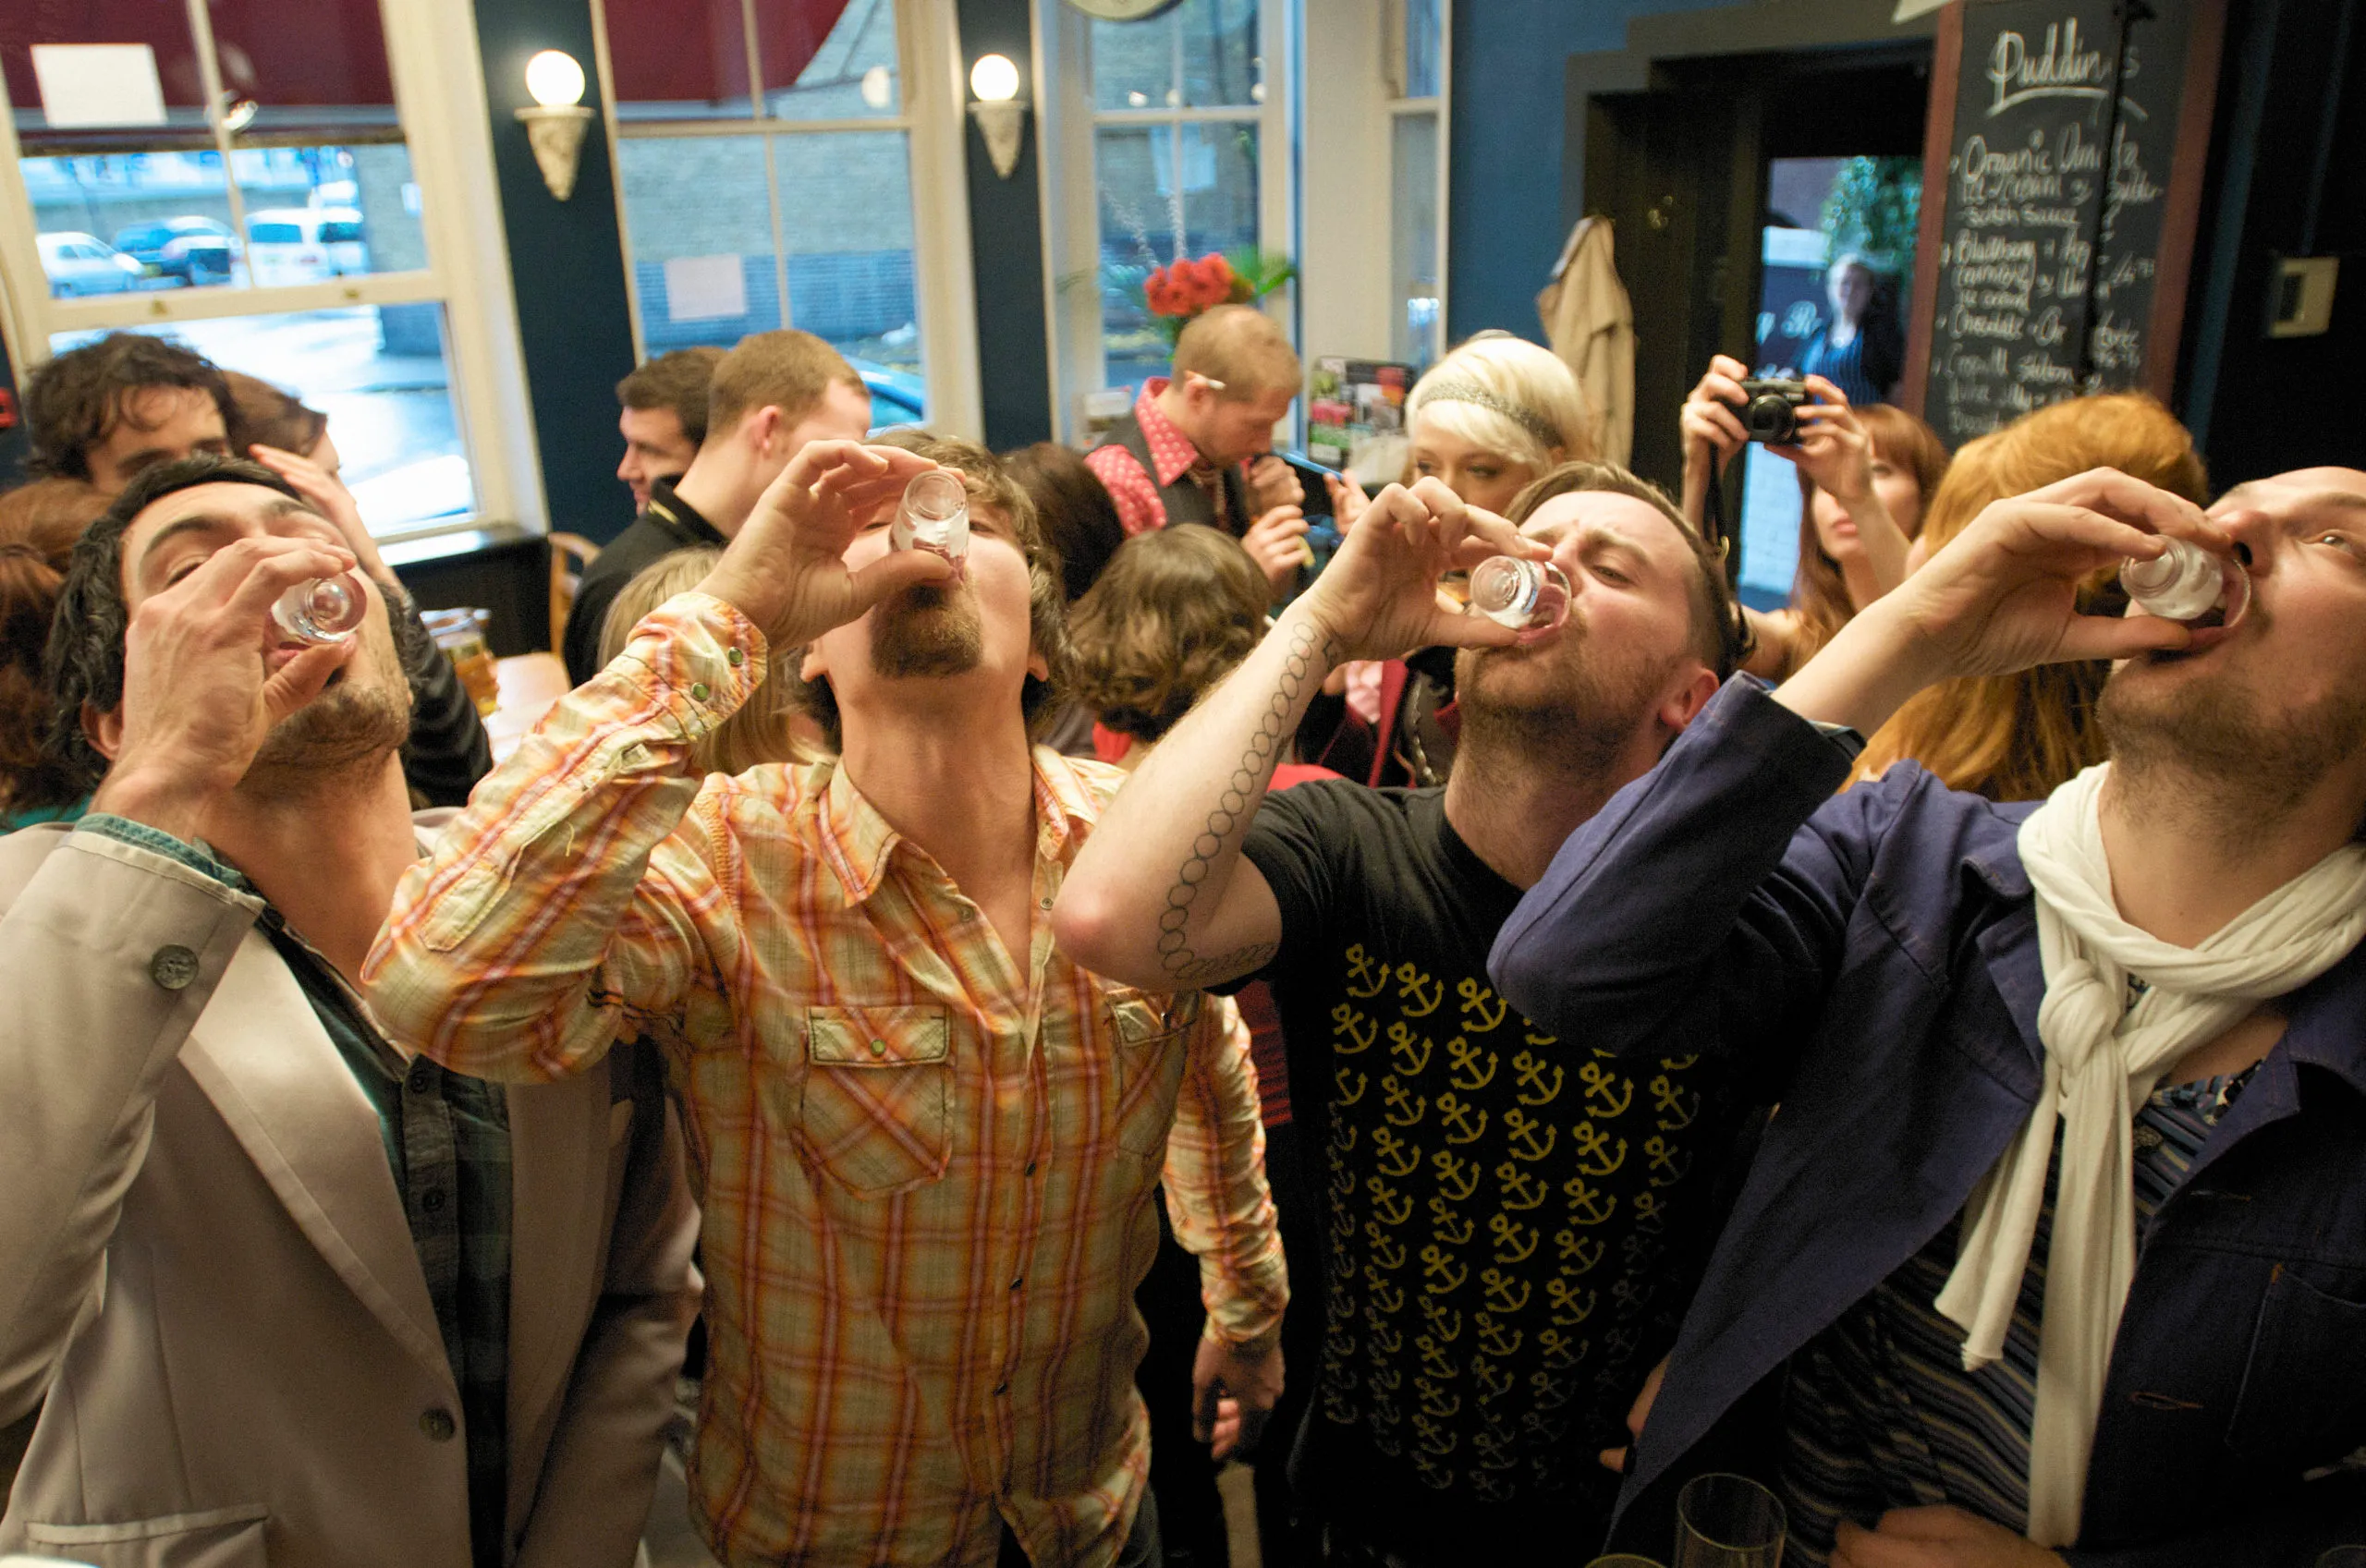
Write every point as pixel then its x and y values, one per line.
pixel 1506 395
pixel 1174 611
pixel 759 732
pixel 1819 596
pixel 2017 737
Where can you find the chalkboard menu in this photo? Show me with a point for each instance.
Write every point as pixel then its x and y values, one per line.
pixel 2060 192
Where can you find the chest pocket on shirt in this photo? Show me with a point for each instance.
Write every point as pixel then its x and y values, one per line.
pixel 2299 1406
pixel 1154 1035
pixel 878 1095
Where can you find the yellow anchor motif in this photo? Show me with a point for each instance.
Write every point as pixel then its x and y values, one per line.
pixel 1588 1206
pixel 1494 1339
pixel 1594 1158
pixel 1528 1070
pixel 1649 1215
pixel 1386 1251
pixel 1392 1154
pixel 1341 1077
pixel 1570 1305
pixel 1402 1044
pixel 1490 1487
pixel 1477 1016
pixel 1435 1363
pixel 1679 1063
pixel 1460 1128
pixel 1388 1379
pixel 1515 1242
pixel 1492 1380
pixel 1607 1093
pixel 1404 1107
pixel 1456 1178
pixel 1500 1294
pixel 1410 983
pixel 1493 1445
pixel 1445 1323
pixel 1387 1298
pixel 1551 1393
pixel 1364 977
pixel 1561 1351
pixel 1629 1293
pixel 1439 1273
pixel 1387 1202
pixel 1675 1106
pixel 1462 1058
pixel 1433 1440
pixel 1451 1228
pixel 1520 1189
pixel 1578 1254
pixel 1438 1477
pixel 1436 1402
pixel 1618 1346
pixel 1522 1132
pixel 1534 1039
pixel 1663 1157
pixel 1386 1341
pixel 1355 1031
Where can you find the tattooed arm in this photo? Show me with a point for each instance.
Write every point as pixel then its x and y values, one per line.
pixel 1159 897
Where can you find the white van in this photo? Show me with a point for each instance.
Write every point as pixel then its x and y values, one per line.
pixel 294 245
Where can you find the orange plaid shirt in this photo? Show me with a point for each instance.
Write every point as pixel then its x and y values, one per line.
pixel 927 1172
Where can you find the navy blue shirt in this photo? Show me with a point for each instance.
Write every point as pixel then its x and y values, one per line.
pixel 1873 958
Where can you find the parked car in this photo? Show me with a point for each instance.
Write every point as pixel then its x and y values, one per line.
pixel 197 250
pixel 297 245
pixel 82 264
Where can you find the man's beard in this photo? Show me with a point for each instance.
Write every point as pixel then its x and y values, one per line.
pixel 350 727
pixel 1577 722
pixel 926 631
pixel 2215 734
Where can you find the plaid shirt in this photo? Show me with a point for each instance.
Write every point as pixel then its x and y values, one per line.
pixel 926 1173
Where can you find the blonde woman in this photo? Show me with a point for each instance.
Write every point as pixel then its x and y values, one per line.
pixel 767 729
pixel 1488 419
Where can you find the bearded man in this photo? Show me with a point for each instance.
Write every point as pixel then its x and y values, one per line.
pixel 1507 1217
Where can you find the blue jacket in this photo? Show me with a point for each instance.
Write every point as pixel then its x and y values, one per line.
pixel 1873 958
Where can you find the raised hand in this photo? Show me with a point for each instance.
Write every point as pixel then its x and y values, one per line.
pixel 1273 483
pixel 1378 599
pixel 787 568
pixel 206 677
pixel 1833 449
pixel 1710 418
pixel 1276 542
pixel 1348 498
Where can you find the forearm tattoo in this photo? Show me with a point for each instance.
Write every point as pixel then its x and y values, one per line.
pixel 1311 655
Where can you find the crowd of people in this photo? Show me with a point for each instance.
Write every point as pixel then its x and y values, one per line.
pixel 1141 995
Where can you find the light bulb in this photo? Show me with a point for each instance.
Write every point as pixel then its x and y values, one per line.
pixel 994 79
pixel 555 79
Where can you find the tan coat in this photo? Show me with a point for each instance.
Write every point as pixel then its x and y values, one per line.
pixel 1591 325
pixel 256 1375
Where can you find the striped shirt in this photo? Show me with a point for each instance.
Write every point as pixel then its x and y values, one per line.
pixel 927 1172
pixel 1880 1413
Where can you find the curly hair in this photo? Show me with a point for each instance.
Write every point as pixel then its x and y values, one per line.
pixel 1176 610
pixel 39 523
pixel 990 483
pixel 75 401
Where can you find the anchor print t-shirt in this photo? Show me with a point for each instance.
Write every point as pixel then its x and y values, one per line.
pixel 1514 1223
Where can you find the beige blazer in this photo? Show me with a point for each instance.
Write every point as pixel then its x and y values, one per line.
pixel 1591 325
pixel 208 1289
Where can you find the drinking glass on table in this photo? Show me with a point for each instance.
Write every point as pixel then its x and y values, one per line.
pixel 1727 1522
pixel 461 634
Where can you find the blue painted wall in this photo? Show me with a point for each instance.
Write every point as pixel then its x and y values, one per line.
pixel 1504 222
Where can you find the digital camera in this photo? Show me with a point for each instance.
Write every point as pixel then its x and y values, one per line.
pixel 1769 410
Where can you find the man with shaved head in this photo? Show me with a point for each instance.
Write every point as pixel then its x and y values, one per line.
pixel 2055 1252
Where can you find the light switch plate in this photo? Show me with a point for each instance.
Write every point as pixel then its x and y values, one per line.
pixel 2299 302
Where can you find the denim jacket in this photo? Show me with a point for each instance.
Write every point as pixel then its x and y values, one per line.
pixel 1871 958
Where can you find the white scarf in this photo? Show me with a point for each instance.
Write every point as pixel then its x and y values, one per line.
pixel 2101 1062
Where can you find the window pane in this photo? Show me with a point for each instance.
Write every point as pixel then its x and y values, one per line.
pixel 124 221
pixel 1222 64
pixel 698 215
pixel 320 212
pixel 1133 64
pixel 1424 41
pixel 162 26
pixel 379 374
pixel 846 200
pixel 678 59
pixel 1413 240
pixel 828 60
pixel 1150 216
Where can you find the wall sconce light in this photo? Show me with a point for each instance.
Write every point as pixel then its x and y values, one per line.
pixel 1000 111
pixel 555 127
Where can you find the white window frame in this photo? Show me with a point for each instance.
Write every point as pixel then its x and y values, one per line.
pixel 441 106
pixel 1439 105
pixel 935 90
pixel 1071 196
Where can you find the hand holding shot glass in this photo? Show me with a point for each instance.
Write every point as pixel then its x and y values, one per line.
pixel 934 517
pixel 323 612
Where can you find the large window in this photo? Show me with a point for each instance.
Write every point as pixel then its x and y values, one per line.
pixel 1417 180
pixel 240 174
pixel 1173 140
pixel 769 155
